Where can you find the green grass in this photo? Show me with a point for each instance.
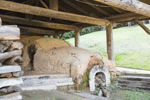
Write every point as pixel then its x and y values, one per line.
pixel 132 94
pixel 131 46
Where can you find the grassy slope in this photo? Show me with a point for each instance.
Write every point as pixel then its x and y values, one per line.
pixel 131 45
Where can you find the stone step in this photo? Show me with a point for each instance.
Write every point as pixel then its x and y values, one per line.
pixel 10 82
pixel 136 74
pixel 64 83
pixel 45 86
pixel 40 87
pixel 126 86
pixel 45 81
pixel 11 96
pixel 135 78
pixel 135 83
pixel 51 76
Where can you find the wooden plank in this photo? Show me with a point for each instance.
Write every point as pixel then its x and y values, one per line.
pixel 53 4
pixel 0 21
pixel 12 6
pixel 110 42
pixel 129 5
pixel 23 21
pixel 9 33
pixel 27 30
pixel 143 26
pixel 11 54
pixel 9 68
pixel 11 96
pixel 10 82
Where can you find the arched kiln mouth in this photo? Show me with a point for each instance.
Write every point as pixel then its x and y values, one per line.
pixel 99 77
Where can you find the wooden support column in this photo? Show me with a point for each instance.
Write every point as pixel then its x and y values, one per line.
pixel 143 26
pixel 77 37
pixel 110 42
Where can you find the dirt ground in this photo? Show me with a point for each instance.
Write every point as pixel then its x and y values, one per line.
pixel 115 94
pixel 50 95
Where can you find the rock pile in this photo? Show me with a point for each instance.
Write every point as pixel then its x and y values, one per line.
pixel 10 61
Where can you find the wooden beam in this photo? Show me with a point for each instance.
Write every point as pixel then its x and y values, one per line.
pixel 12 6
pixel 77 37
pixel 121 16
pixel 27 30
pixel 110 42
pixel 97 8
pixel 53 4
pixel 118 10
pixel 127 19
pixel 44 4
pixel 76 7
pixel 143 26
pixel 130 5
pixel 23 21
pixel 61 35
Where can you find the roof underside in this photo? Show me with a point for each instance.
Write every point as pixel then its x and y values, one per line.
pixel 89 8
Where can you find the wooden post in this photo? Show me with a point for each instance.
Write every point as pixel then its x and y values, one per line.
pixel 77 37
pixel 143 26
pixel 110 42
pixel 129 24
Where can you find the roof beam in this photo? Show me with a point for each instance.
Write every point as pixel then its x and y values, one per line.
pixel 143 26
pixel 118 10
pixel 129 5
pixel 76 7
pixel 23 21
pixel 126 17
pixel 27 30
pixel 97 8
pixel 44 4
pixel 17 7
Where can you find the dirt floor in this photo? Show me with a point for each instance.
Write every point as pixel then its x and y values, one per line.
pixel 50 95
pixel 115 94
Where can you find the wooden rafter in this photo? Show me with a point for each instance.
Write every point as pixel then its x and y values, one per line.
pixel 118 10
pixel 76 7
pixel 12 6
pixel 97 8
pixel 129 5
pixel 143 26
pixel 41 1
pixel 23 21
pixel 126 17
pixel 27 30
pixel 121 16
